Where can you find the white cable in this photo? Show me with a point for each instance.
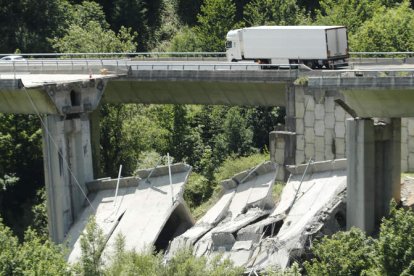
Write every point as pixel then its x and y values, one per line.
pixel 65 163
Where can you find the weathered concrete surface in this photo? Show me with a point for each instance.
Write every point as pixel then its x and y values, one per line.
pixel 149 213
pixel 368 96
pixel 315 206
pixel 127 90
pixel 247 197
pixel 51 93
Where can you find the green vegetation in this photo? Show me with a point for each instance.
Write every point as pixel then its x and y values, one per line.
pixel 217 141
pixel 353 253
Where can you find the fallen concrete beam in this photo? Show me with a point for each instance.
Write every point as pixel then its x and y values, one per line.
pixel 150 213
pixel 247 197
pixel 313 206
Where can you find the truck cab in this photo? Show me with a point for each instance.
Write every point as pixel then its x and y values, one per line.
pixel 233 45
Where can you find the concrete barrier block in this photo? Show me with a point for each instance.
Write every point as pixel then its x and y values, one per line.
pixel 299 109
pixel 329 104
pixel 329 137
pixel 339 114
pixel 411 162
pixel 319 111
pixel 300 128
pixel 309 135
pixel 280 156
pixel 300 142
pixel 309 103
pixel 404 165
pixel 340 147
pixel 309 151
pixel 404 134
pixel 299 95
pixel 319 156
pixel 319 128
pixel 410 125
pixel 309 119
pixel 404 150
pixel 411 145
pixel 300 156
pixel 329 120
pixel 404 122
pixel 320 144
pixel 340 129
pixel 329 155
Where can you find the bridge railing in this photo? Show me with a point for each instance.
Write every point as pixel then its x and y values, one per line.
pixel 219 67
pixel 130 55
pixel 56 66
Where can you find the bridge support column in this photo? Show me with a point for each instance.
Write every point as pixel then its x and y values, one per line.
pixel 374 155
pixel 68 166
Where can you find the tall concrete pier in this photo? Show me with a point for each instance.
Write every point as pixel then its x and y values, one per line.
pixel 374 170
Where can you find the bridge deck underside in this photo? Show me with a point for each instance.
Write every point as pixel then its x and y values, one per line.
pixel 196 92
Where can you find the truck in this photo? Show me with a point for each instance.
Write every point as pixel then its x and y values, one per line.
pixel 314 46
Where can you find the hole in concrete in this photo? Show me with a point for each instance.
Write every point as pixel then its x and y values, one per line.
pixel 341 220
pixel 178 223
pixel 272 229
pixel 75 98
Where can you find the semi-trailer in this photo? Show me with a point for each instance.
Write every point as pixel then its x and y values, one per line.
pixel 314 46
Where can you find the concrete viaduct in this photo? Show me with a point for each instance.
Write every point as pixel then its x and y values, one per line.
pixel 319 107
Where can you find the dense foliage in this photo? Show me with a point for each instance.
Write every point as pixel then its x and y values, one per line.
pixel 353 253
pixel 210 138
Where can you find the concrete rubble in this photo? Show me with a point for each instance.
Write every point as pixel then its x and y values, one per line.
pixel 148 211
pixel 247 197
pixel 245 227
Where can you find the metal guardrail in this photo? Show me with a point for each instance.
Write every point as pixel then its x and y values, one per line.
pixel 220 67
pixel 173 54
pixel 130 55
pixel 63 66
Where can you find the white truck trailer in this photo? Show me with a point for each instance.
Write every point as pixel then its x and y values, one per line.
pixel 314 46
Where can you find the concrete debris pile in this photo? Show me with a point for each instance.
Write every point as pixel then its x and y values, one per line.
pixel 245 227
pixel 247 198
pixel 148 210
pixel 312 203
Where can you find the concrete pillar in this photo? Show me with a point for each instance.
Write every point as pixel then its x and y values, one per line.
pixel 282 151
pixel 387 166
pixel 361 169
pixel 374 170
pixel 68 166
pixel 96 142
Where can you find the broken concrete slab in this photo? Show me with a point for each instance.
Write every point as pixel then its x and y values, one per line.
pixel 150 213
pixel 306 207
pixel 247 197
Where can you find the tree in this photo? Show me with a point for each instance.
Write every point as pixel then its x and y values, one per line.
pixel 92 243
pixel 264 120
pixel 350 13
pixel 396 242
pixel 35 256
pixel 236 133
pixel 92 38
pixel 21 173
pixel 345 253
pixel 30 23
pixel 187 10
pixel 389 30
pixel 217 17
pixel 131 14
pixel 272 12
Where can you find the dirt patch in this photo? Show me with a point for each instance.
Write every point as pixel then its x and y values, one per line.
pixel 407 191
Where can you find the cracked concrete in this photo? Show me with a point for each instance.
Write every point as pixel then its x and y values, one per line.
pixel 147 212
pixel 245 227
